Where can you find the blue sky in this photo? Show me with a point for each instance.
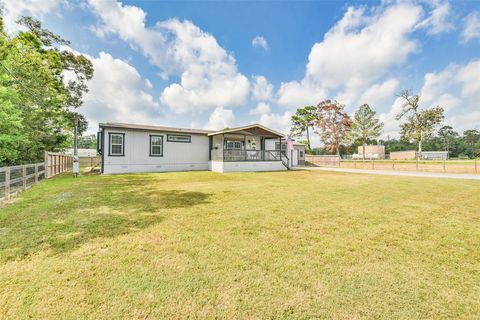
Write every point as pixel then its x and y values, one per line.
pixel 215 64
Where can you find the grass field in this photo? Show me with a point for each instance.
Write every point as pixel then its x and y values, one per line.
pixel 296 244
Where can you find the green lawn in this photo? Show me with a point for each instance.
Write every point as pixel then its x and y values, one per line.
pixel 295 244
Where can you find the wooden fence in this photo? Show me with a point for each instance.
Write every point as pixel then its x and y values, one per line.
pixel 19 178
pixel 15 179
pixel 91 162
pixel 322 160
pixel 56 163
pixel 450 166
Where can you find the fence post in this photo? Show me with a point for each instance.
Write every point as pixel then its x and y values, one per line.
pixel 476 171
pixel 36 172
pixel 373 164
pixel 24 177
pixel 7 183
pixel 393 164
pixel 444 168
pixel 45 161
pixel 416 162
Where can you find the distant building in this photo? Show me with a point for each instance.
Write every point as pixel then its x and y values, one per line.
pixel 434 155
pixel 412 155
pixel 83 152
pixel 403 155
pixel 371 152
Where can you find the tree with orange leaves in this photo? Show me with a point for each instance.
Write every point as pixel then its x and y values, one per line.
pixel 332 124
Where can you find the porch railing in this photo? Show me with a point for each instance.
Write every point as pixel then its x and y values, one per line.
pixel 245 155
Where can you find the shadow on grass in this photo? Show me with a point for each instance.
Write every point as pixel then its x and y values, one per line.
pixel 64 220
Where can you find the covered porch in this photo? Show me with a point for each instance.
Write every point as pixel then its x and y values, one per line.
pixel 249 144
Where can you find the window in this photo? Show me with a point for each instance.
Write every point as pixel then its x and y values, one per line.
pixel 117 144
pixel 156 146
pixel 277 146
pixel 234 144
pixel 100 142
pixel 179 138
pixel 301 154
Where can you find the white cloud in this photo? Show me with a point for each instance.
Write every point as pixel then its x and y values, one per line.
pixel 356 52
pixel 379 94
pixel 260 42
pixel 278 122
pixel 262 89
pixel 391 125
pixel 15 9
pixel 455 88
pixel 209 77
pixel 261 108
pixel 471 27
pixel 298 94
pixel 437 22
pixel 220 119
pixel 118 93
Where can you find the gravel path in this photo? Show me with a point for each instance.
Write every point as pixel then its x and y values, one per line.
pixel 398 173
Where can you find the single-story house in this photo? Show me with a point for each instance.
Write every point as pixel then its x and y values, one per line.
pixel 127 148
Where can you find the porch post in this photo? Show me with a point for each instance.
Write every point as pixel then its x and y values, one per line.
pixel 245 146
pixel 280 148
pixel 223 147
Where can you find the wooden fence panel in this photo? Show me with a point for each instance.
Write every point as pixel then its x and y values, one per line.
pixel 56 163
pixel 322 160
pixel 16 179
pixel 91 162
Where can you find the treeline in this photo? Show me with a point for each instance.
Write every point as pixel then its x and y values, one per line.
pixel 422 129
pixel 41 85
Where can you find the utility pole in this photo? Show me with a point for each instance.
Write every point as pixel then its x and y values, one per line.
pixel 75 150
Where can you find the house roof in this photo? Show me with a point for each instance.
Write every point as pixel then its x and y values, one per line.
pixel 248 130
pixel 119 125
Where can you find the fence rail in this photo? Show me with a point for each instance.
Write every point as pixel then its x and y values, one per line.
pixel 450 166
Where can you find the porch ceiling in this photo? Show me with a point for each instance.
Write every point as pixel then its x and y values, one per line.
pixel 252 130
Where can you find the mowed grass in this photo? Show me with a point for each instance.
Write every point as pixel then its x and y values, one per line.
pixel 291 245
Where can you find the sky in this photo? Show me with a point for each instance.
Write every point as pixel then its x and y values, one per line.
pixel 214 64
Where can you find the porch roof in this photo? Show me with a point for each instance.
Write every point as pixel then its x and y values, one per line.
pixel 250 130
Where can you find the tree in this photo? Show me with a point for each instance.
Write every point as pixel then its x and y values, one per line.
pixel 87 142
pixel 365 126
pixel 448 136
pixel 304 119
pixel 332 123
pixel 37 67
pixel 12 139
pixel 471 138
pixel 420 123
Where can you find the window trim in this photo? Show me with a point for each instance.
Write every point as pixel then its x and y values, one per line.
pixel 281 147
pixel 110 134
pixel 179 135
pixel 234 142
pixel 150 145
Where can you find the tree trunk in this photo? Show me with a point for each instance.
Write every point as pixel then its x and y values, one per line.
pixel 364 145
pixel 308 141
pixel 419 149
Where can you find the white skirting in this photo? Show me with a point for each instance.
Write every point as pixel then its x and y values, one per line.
pixel 245 166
